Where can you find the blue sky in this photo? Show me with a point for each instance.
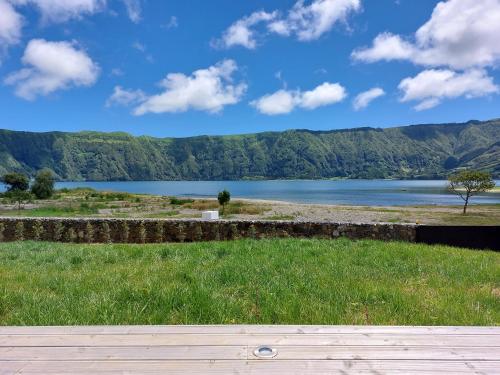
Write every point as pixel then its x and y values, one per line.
pixel 293 64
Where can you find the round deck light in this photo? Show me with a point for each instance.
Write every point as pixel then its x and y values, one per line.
pixel 265 352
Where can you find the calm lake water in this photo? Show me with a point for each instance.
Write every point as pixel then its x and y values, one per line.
pixel 345 192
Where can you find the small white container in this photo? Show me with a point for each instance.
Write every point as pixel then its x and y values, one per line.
pixel 210 215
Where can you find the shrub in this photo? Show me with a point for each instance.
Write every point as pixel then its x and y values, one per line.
pixel 43 187
pixel 224 197
pixel 179 202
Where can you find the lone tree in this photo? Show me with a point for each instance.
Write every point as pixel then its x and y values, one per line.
pixel 15 181
pixel 224 197
pixel 43 187
pixel 468 183
pixel 17 188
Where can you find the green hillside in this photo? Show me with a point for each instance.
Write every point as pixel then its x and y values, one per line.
pixel 419 151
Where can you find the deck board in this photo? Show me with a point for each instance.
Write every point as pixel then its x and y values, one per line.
pixel 229 349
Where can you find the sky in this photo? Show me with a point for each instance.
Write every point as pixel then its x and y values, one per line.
pixel 170 68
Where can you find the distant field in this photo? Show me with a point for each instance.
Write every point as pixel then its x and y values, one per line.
pixel 83 202
pixel 285 281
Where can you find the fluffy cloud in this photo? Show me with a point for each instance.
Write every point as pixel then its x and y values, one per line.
pixel 279 103
pixel 460 34
pixel 63 10
pixel 325 94
pixel 52 66
pixel 306 22
pixel 309 22
pixel 432 86
pixel 365 98
pixel 207 90
pixel 241 32
pixel 125 97
pixel 134 10
pixel 11 23
pixel 285 101
pixel 386 46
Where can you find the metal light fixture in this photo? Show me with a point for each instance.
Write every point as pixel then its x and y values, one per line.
pixel 265 352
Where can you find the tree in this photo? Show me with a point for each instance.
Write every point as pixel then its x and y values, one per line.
pixel 43 187
pixel 224 197
pixel 16 181
pixel 468 183
pixel 17 188
pixel 19 196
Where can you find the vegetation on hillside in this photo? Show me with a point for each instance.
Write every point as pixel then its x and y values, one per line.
pixel 421 151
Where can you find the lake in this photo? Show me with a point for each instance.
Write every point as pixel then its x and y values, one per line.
pixel 342 192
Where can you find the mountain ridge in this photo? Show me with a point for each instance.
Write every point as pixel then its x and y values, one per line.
pixel 413 151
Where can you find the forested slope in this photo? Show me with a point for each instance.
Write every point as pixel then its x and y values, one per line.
pixel 419 151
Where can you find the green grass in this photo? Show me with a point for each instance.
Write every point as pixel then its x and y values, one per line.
pixel 82 209
pixel 179 202
pixel 282 281
pixel 162 214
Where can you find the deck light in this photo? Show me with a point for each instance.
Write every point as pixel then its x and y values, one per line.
pixel 265 352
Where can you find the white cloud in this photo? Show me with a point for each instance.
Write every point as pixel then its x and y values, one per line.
pixel 325 94
pixel 117 72
pixel 52 66
pixel 241 32
pixel 134 10
pixel 11 24
pixel 125 97
pixel 432 86
pixel 63 10
pixel 306 22
pixel 278 103
pixel 285 101
pixel 365 98
pixel 172 23
pixel 139 46
pixel 309 22
pixel 460 34
pixel 207 90
pixel 386 46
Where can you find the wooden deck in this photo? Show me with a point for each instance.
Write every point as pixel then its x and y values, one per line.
pixel 230 349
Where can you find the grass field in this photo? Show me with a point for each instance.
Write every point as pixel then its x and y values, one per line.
pixel 285 281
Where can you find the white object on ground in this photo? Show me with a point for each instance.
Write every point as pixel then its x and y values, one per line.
pixel 210 215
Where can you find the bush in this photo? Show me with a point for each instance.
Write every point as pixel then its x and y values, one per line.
pixel 43 187
pixel 224 197
pixel 179 202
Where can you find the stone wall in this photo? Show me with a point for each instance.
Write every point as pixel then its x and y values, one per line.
pixel 157 231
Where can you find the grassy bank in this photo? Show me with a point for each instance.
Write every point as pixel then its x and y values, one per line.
pixel 259 282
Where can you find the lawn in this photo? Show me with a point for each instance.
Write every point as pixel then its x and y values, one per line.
pixel 281 281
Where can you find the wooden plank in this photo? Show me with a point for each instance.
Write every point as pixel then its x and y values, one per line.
pixel 248 329
pixel 165 353
pixel 229 349
pixel 421 353
pixel 255 340
pixel 251 367
pixel 169 353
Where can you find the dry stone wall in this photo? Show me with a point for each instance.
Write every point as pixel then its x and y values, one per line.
pixel 159 231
